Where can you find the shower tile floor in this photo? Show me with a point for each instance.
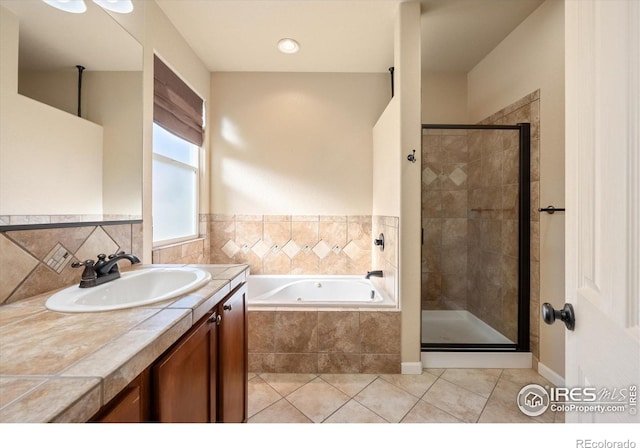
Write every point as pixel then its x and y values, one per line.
pixel 435 396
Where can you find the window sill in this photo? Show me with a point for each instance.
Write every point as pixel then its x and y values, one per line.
pixel 177 244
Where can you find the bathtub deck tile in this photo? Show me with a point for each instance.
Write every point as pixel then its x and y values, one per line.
pixel 296 332
pixel 339 363
pixel 261 331
pixel 262 362
pixel 296 362
pixel 379 363
pixel 339 332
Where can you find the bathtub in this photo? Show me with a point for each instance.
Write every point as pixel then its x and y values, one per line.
pixel 316 291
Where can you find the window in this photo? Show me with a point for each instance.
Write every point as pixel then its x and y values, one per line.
pixel 175 187
pixel 178 133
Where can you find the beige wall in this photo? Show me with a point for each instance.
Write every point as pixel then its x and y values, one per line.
pixel 386 161
pixel 38 168
pixel 294 143
pixel 56 88
pixel 114 100
pixel 164 40
pixel 444 98
pixel 530 58
pixel 407 63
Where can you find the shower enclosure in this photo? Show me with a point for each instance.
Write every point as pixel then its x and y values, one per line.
pixel 475 241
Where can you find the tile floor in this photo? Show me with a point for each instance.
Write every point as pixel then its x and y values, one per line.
pixel 435 396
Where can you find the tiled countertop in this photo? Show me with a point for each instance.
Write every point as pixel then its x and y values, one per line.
pixel 63 367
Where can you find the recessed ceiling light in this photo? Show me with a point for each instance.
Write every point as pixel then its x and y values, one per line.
pixel 74 6
pixel 288 46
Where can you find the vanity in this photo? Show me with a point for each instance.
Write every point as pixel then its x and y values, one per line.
pixel 179 360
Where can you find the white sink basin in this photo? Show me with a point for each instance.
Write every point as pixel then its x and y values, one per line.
pixel 132 289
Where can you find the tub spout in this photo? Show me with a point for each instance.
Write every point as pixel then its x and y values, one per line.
pixel 373 274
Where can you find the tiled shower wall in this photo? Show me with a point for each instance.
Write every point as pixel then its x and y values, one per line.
pixel 444 218
pixel 469 206
pixel 492 257
pixel 526 110
pixel 388 259
pixel 36 261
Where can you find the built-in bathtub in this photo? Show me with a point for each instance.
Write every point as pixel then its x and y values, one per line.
pixel 352 291
pixel 321 324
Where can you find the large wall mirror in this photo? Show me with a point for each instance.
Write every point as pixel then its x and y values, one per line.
pixel 55 164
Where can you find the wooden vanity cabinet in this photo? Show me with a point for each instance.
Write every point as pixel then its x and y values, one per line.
pixel 203 377
pixel 184 377
pixel 233 358
pixel 131 405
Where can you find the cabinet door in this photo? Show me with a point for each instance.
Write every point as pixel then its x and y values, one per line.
pixel 213 366
pixel 182 379
pixel 126 408
pixel 232 358
pixel 129 406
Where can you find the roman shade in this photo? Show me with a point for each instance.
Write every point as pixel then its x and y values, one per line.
pixel 176 107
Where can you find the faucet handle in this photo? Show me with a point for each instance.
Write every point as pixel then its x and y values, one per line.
pixel 101 260
pixel 89 274
pixel 117 254
pixel 86 263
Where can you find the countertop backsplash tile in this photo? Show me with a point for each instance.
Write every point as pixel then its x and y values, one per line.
pixel 26 266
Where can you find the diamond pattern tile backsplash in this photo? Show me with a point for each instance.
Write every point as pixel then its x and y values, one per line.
pixel 36 261
pixel 288 244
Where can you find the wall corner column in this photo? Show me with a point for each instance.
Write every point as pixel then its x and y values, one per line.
pixel 408 81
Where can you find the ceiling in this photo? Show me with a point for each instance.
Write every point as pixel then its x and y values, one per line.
pixel 340 35
pixel 51 39
pixel 241 35
pixel 457 34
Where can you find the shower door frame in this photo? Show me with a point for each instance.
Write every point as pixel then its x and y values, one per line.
pixel 524 245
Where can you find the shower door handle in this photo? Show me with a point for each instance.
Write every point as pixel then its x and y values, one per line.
pixel 566 315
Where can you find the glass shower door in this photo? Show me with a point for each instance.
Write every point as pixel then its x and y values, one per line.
pixel 475 217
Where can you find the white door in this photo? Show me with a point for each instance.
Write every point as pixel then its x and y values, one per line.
pixel 603 202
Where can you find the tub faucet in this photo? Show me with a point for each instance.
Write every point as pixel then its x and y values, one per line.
pixel 373 274
pixel 102 271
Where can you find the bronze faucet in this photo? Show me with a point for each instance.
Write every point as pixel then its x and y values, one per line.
pixel 102 271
